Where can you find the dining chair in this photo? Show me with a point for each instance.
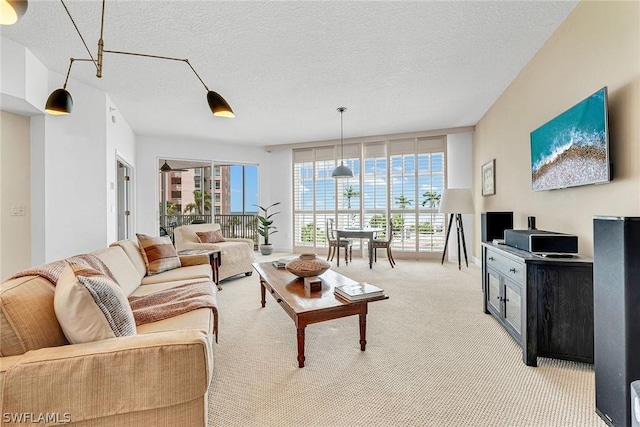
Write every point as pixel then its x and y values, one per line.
pixel 385 244
pixel 334 242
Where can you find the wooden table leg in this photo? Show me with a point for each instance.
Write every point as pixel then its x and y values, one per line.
pixel 215 258
pixel 371 252
pixel 262 292
pixel 363 327
pixel 301 347
pixel 363 332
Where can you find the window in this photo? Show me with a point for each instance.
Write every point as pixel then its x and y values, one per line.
pixel 399 179
pixel 187 194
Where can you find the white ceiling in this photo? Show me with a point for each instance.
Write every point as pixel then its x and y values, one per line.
pixel 284 66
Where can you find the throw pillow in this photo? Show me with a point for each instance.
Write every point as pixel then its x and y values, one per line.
pixel 159 253
pixel 91 306
pixel 214 236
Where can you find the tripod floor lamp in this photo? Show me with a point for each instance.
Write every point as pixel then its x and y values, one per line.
pixel 456 201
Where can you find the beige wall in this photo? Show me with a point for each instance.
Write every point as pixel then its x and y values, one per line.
pixel 15 231
pixel 598 45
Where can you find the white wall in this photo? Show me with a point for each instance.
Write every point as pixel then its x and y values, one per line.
pixel 460 175
pixel 72 158
pixel 597 45
pixel 15 231
pixel 120 142
pixel 281 190
pixel 149 149
pixel 75 211
pixel 24 83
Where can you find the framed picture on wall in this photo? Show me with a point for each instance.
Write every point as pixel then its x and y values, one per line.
pixel 489 178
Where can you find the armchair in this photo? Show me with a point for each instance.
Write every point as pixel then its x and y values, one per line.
pixel 236 253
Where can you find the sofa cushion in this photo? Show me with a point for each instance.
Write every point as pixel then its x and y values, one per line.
pixel 200 319
pixel 91 307
pixel 27 319
pixel 121 267
pixel 213 236
pixel 130 247
pixel 158 253
pixel 201 271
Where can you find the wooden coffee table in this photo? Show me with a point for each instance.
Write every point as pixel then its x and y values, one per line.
pixel 306 308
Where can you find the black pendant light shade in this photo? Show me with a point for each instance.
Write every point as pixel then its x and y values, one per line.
pixel 59 102
pixel 165 167
pixel 12 10
pixel 219 106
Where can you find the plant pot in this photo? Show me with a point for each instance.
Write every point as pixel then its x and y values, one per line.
pixel 266 249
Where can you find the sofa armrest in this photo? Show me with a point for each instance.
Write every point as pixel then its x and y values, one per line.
pixel 113 376
pixel 240 239
pixel 193 245
pixel 188 260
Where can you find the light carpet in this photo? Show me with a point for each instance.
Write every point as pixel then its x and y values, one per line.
pixel 433 358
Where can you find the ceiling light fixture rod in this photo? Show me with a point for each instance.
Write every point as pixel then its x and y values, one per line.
pixel 342 171
pixel 159 57
pixel 82 38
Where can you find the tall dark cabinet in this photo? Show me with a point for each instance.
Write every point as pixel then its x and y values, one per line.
pixel 616 291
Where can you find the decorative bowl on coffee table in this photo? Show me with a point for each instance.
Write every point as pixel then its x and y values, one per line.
pixel 307 265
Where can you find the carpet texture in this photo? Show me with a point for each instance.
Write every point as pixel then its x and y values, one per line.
pixel 433 358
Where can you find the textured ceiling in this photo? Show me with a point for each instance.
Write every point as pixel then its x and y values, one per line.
pixel 284 67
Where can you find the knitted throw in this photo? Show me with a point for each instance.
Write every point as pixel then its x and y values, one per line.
pixel 174 301
pixel 53 270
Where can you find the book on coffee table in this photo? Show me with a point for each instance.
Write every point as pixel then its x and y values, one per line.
pixel 359 291
pixel 280 263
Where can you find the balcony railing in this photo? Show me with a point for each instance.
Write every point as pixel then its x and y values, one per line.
pixel 245 226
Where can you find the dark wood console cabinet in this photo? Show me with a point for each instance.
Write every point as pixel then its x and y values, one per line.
pixel 546 304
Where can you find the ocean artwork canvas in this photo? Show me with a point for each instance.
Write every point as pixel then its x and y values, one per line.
pixel 573 148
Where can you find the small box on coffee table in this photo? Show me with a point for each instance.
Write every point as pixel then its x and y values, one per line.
pixel 312 284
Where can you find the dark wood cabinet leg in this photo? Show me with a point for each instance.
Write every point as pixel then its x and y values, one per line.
pixel 262 292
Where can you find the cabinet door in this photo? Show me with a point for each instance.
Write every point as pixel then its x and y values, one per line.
pixel 494 295
pixel 513 305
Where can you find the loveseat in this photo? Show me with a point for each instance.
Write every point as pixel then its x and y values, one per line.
pixel 160 376
pixel 236 253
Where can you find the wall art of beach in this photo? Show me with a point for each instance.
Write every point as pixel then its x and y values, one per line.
pixel 572 149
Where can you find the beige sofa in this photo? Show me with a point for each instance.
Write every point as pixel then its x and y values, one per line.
pixel 236 253
pixel 160 376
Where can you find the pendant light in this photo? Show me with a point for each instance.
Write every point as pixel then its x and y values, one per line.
pixel 342 171
pixel 60 101
pixel 12 10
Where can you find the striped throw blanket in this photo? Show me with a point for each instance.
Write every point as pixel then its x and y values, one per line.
pixel 53 270
pixel 174 301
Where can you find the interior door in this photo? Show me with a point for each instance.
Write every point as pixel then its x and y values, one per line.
pixel 124 200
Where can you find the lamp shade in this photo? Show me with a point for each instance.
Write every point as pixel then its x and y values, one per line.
pixel 165 167
pixel 218 105
pixel 456 201
pixel 59 102
pixel 12 10
pixel 342 171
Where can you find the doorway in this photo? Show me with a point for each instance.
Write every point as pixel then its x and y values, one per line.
pixel 124 200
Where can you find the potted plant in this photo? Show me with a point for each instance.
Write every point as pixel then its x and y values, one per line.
pixel 266 228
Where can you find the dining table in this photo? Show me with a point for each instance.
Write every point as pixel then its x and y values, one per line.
pixel 357 233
